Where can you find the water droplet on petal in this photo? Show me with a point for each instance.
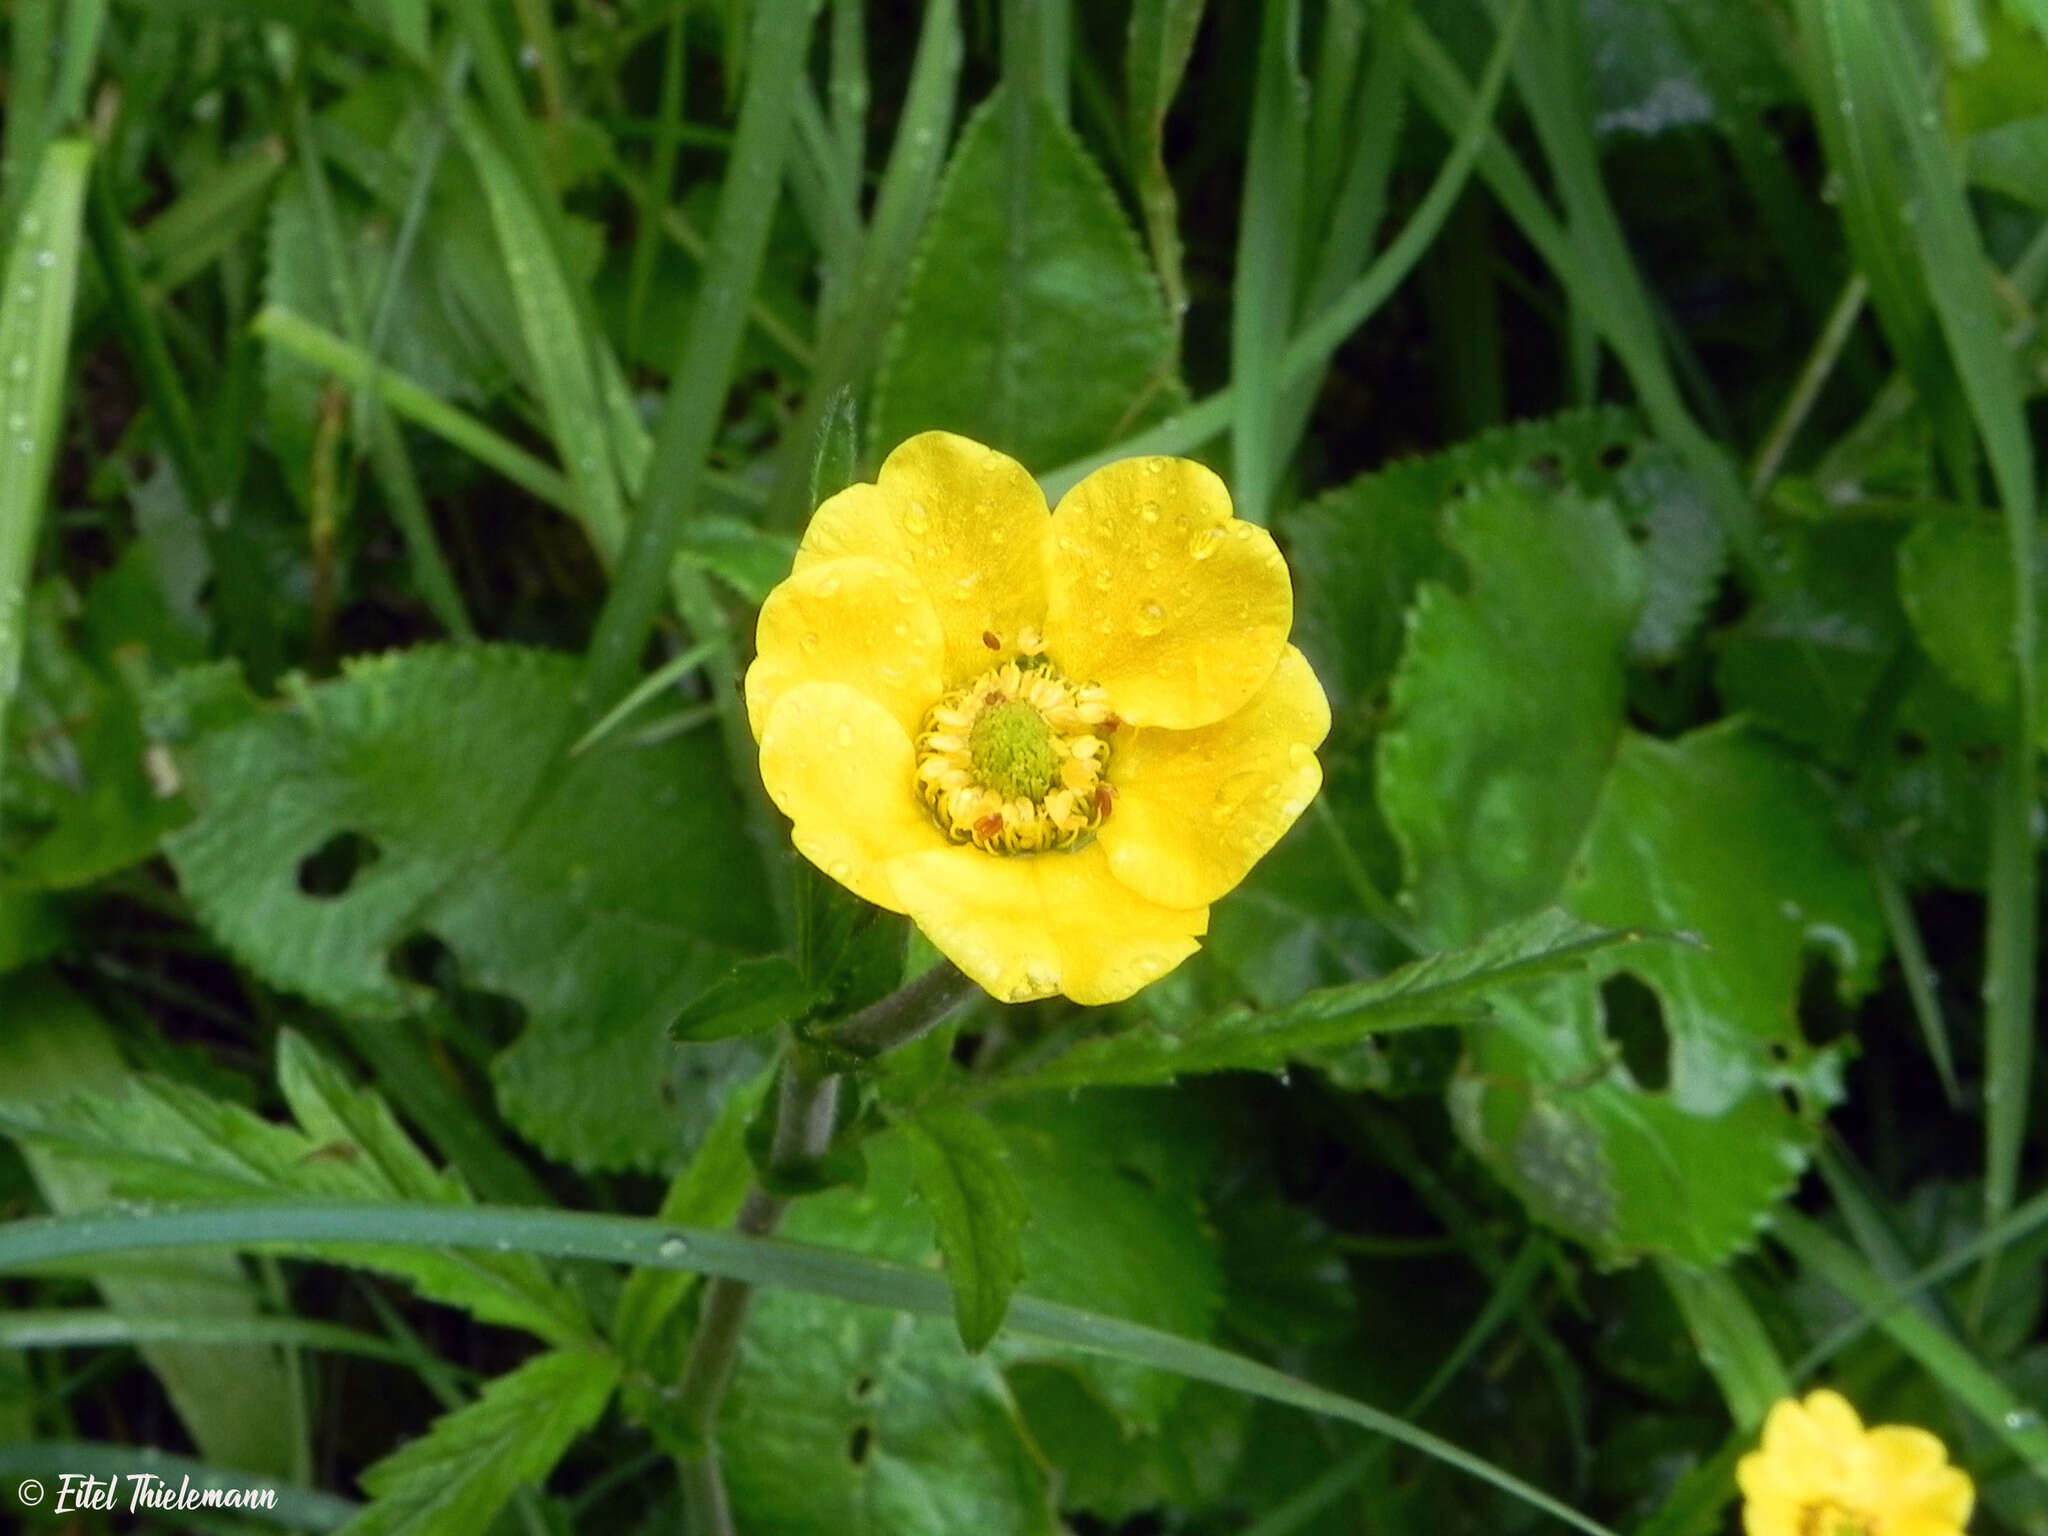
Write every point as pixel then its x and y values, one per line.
pixel 1204 543
pixel 844 736
pixel 1105 578
pixel 917 519
pixel 1149 511
pixel 809 642
pixel 1232 793
pixel 1152 559
pixel 1151 619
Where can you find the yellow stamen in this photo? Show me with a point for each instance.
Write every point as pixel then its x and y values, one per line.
pixel 1014 762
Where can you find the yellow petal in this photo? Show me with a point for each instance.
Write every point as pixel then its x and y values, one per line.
pixel 1196 809
pixel 1902 1455
pixel 839 766
pixel 1159 594
pixel 857 621
pixel 1766 1515
pixel 1031 925
pixel 968 522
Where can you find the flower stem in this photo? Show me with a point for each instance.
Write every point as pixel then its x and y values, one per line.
pixel 902 1016
pixel 806 1118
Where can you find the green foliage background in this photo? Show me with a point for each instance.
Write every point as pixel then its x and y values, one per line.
pixel 404 405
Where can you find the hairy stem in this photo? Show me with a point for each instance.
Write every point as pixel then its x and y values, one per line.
pixel 806 1117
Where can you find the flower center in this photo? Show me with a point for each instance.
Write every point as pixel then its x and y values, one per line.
pixel 1011 749
pixel 1824 1517
pixel 1014 762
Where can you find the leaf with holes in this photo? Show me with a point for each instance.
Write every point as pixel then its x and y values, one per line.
pixel 1113 1182
pixel 418 795
pixel 872 1423
pixel 998 311
pixel 1509 780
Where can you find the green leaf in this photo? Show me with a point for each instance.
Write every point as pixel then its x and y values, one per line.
pixel 162 1140
pixel 1955 583
pixel 973 353
pixel 564 886
pixel 860 1424
pixel 962 1171
pixel 1113 1182
pixel 35 343
pixel 1655 1125
pixel 83 774
pixel 1360 552
pixel 234 1402
pixel 836 462
pixel 455 1478
pixel 750 998
pixel 1507 705
pixel 1807 658
pixel 1638 1124
pixel 1447 987
pixel 750 560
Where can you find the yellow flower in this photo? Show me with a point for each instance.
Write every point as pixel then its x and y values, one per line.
pixel 1819 1472
pixel 1051 739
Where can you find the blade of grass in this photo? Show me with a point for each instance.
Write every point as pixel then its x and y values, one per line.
pixel 1358 205
pixel 848 91
pixel 1955 276
pixel 661 176
pixel 386 443
pixel 1732 1343
pixel 827 197
pixel 31 39
pixel 219 209
pixel 662 678
pixel 1393 1145
pixel 323 349
pixel 144 342
pixel 1509 1295
pixel 1877 206
pixel 101 1327
pixel 703 375
pixel 1936 1351
pixel 1813 377
pixel 1269 242
pixel 1904 931
pixel 1162 39
pixel 675 224
pixel 1340 46
pixel 2027 1220
pixel 849 349
pixel 1320 338
pixel 1590 254
pixel 35 345
pixel 556 340
pixel 750 1260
